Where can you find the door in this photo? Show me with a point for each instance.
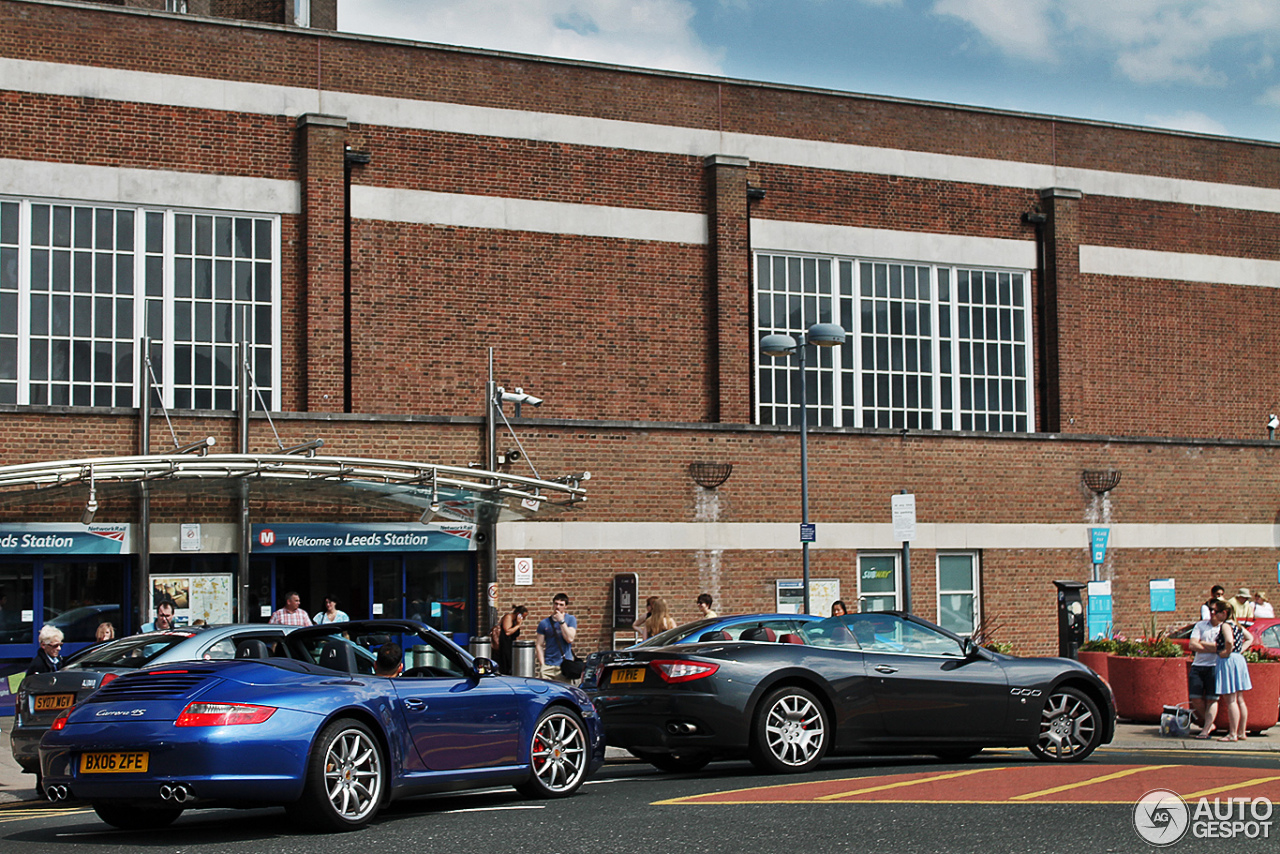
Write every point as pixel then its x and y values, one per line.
pixel 925 688
pixel 455 720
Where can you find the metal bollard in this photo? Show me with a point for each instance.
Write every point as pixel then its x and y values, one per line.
pixel 417 656
pixel 524 659
pixel 480 647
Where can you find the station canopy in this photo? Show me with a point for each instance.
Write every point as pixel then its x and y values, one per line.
pixel 435 491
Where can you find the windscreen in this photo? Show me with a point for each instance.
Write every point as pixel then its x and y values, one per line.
pixel 126 652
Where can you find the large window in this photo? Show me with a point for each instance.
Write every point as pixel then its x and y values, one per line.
pixel 80 284
pixel 958 592
pixel 930 347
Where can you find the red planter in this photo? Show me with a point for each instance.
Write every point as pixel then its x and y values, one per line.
pixel 1262 700
pixel 1096 660
pixel 1144 686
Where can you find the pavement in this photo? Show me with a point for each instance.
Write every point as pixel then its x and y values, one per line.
pixel 15 786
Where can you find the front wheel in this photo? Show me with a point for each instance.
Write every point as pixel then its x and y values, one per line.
pixel 1070 727
pixel 789 734
pixel 559 755
pixel 345 779
pixel 136 818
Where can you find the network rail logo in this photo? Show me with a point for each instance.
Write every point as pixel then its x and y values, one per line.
pixel 1162 818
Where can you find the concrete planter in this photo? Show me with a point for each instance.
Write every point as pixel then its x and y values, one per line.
pixel 1096 660
pixel 1144 686
pixel 1263 699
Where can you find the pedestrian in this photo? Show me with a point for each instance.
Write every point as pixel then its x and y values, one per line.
pixel 660 619
pixel 1202 676
pixel 1262 608
pixel 331 613
pixel 704 606
pixel 164 618
pixel 1206 607
pixel 48 658
pixel 106 631
pixel 641 625
pixel 1232 676
pixel 291 614
pixel 838 608
pixel 508 633
pixel 555 642
pixel 1242 606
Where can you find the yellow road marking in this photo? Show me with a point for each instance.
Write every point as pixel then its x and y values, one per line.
pixel 1026 796
pixel 901 783
pixel 1227 788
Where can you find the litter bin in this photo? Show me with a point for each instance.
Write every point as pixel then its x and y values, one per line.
pixel 480 647
pixel 423 655
pixel 524 661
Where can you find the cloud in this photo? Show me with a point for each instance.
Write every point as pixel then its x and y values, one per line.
pixel 1153 41
pixel 1187 120
pixel 652 34
pixel 1271 97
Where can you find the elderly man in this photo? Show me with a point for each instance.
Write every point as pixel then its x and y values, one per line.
pixel 48 659
pixel 291 614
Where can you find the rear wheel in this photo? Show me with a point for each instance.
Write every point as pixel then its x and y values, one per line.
pixel 345 779
pixel 674 763
pixel 559 755
pixel 790 732
pixel 1070 727
pixel 133 817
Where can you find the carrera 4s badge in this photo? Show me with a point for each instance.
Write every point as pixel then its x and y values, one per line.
pixel 130 713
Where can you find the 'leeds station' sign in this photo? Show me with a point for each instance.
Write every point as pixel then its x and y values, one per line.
pixel 370 537
pixel 65 538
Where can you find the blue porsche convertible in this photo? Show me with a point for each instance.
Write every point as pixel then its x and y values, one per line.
pixel 306 724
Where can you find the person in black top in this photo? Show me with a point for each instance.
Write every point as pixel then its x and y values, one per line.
pixel 49 657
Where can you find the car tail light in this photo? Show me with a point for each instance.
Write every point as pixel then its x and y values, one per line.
pixel 223 714
pixel 107 679
pixel 60 721
pixel 683 671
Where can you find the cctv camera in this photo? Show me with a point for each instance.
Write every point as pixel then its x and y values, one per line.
pixel 528 398
pixel 1273 422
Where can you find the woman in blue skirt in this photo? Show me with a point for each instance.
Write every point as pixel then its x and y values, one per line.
pixel 1232 675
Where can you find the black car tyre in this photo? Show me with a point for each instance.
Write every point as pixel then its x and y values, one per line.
pixel 790 731
pixel 1070 727
pixel 345 779
pixel 559 755
pixel 132 817
pixel 674 763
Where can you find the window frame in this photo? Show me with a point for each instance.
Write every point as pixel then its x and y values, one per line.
pixel 896 557
pixel 975 591
pixel 164 345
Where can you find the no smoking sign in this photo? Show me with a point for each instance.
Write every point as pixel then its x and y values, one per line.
pixel 524 571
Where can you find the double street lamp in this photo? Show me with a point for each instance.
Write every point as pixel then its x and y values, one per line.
pixel 819 335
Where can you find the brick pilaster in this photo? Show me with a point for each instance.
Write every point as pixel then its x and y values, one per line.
pixel 322 147
pixel 1063 357
pixel 732 335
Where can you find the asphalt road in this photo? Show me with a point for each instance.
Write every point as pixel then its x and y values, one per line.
pixel 1002 801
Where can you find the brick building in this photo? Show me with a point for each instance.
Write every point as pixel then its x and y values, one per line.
pixel 1028 298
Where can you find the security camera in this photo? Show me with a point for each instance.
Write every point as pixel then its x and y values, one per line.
pixel 513 455
pixel 528 398
pixel 1273 422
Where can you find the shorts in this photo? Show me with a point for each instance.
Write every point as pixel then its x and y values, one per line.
pixel 1200 681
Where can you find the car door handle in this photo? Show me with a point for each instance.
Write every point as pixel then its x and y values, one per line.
pixel 415 705
pixel 884 668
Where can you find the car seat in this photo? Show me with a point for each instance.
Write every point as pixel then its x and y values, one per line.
pixel 759 633
pixel 252 648
pixel 338 655
pixel 790 638
pixel 718 635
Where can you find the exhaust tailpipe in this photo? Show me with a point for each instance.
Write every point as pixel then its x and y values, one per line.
pixel 177 793
pixel 56 793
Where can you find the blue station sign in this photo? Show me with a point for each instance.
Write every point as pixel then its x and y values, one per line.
pixel 65 538
pixel 364 537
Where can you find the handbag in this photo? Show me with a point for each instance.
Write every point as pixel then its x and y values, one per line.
pixel 1176 721
pixel 571 668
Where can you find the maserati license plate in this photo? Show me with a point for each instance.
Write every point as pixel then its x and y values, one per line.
pixel 627 675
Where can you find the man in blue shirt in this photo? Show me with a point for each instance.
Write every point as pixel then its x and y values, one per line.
pixel 555 639
pixel 163 621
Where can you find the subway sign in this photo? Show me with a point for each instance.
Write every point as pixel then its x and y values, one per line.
pixel 299 537
pixel 65 538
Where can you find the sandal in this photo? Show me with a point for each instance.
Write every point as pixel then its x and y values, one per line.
pixel 1228 738
pixel 1205 735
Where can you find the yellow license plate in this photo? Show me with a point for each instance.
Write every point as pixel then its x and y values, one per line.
pixel 114 763
pixel 54 702
pixel 626 674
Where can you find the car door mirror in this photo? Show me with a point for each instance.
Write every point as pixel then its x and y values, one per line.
pixel 483 667
pixel 968 648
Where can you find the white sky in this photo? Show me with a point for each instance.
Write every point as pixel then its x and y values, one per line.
pixel 1200 65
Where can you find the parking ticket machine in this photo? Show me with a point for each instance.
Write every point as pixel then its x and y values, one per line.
pixel 1070 617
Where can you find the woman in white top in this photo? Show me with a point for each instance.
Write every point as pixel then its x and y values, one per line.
pixel 1262 609
pixel 331 614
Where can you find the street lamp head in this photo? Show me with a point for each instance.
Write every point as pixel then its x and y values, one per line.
pixel 826 334
pixel 778 345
